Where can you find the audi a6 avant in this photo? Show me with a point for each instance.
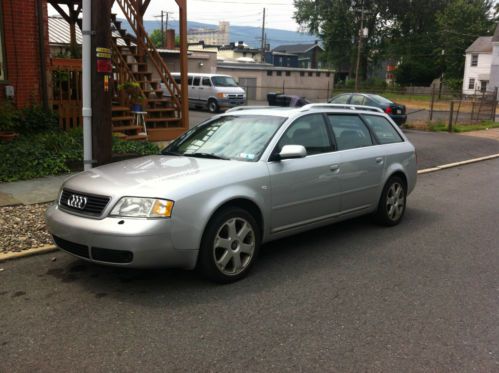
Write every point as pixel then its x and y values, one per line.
pixel 236 181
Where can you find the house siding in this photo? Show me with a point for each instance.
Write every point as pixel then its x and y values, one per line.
pixel 474 72
pixel 21 50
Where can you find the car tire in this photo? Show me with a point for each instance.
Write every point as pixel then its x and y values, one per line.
pixel 213 106
pixel 391 207
pixel 230 245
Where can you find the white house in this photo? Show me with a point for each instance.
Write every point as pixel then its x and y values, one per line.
pixel 477 66
pixel 481 69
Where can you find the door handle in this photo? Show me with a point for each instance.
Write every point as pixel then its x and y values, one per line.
pixel 379 160
pixel 334 167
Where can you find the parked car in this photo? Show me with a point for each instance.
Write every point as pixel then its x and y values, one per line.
pixel 278 99
pixel 233 182
pixel 396 111
pixel 211 91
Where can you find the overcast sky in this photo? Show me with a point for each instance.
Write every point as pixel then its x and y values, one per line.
pixel 279 13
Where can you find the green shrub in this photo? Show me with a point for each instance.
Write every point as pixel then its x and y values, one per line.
pixel 47 153
pixel 35 119
pixel 8 117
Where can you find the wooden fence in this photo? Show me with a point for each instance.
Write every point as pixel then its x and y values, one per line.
pixel 65 77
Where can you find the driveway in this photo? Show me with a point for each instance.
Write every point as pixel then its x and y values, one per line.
pixel 353 297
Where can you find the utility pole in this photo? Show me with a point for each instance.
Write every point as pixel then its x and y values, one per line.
pixel 164 14
pixel 263 37
pixel 359 47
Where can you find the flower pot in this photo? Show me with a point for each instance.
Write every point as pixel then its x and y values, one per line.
pixel 136 107
pixel 7 135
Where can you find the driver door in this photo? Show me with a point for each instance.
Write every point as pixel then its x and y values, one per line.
pixel 305 190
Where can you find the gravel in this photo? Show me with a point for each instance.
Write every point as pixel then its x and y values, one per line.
pixel 22 227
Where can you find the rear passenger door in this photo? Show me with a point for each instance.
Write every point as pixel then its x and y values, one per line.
pixel 206 90
pixel 196 85
pixel 362 162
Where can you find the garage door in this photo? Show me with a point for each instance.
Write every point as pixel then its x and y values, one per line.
pixel 249 85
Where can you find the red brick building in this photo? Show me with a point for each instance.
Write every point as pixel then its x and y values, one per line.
pixel 24 51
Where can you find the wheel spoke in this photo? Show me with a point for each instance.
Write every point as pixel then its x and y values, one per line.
pixel 236 258
pixel 231 224
pixel 224 260
pixel 243 232
pixel 247 248
pixel 222 242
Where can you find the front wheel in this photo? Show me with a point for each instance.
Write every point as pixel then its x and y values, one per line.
pixel 213 106
pixel 229 246
pixel 391 206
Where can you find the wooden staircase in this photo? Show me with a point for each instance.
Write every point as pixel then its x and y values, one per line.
pixel 135 59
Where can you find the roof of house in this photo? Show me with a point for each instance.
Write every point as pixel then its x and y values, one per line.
pixel 296 48
pixel 482 44
pixel 59 32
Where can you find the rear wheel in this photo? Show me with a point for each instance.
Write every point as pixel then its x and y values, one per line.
pixel 213 106
pixel 391 206
pixel 230 245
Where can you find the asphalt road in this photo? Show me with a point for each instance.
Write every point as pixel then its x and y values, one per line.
pixel 422 296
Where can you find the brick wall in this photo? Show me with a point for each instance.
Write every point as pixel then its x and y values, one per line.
pixel 21 49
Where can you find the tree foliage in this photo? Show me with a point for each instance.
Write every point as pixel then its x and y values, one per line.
pixel 410 33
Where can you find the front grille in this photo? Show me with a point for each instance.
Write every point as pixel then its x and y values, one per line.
pixel 94 205
pixel 111 256
pixel 72 247
pixel 235 96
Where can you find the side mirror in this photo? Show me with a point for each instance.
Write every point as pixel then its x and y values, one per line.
pixel 292 151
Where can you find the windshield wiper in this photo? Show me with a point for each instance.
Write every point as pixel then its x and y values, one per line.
pixel 167 152
pixel 206 155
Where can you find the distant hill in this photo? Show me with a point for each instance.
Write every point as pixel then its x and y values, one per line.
pixel 250 35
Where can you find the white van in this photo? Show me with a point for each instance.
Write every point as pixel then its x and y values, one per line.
pixel 212 91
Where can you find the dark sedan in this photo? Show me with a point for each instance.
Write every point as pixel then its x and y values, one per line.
pixel 395 111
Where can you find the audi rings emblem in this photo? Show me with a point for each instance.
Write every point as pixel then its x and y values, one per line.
pixel 77 202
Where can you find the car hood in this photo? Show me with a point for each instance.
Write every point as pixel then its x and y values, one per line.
pixel 155 176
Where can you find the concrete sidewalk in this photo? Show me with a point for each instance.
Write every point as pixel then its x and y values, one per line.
pixel 28 192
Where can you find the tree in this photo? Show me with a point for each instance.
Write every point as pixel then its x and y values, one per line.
pixel 157 38
pixel 459 24
pixel 403 32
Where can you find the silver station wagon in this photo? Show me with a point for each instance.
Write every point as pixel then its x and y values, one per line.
pixel 234 182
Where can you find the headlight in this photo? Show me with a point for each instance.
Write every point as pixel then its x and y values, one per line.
pixel 135 207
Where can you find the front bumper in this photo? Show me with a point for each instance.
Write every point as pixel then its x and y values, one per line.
pixel 123 242
pixel 228 103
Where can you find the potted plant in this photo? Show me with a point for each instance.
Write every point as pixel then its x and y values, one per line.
pixel 136 98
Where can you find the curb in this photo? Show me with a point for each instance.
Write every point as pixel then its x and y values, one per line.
pixel 457 164
pixel 25 253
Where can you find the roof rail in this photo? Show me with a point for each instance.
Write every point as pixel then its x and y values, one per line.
pixel 342 106
pixel 241 108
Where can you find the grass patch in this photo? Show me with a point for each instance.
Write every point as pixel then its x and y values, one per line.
pixel 443 127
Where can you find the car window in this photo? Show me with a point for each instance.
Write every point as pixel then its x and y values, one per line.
pixel 189 80
pixel 357 100
pixel 197 80
pixel 350 132
pixel 342 99
pixel 370 102
pixel 206 82
pixel 242 138
pixel 383 129
pixel 309 131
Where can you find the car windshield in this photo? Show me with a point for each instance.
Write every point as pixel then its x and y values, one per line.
pixel 242 138
pixel 381 99
pixel 223 81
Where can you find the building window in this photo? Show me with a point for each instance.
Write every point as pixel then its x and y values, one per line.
pixel 474 60
pixel 269 72
pixel 279 73
pixel 310 73
pixel 288 73
pixel 328 74
pixel 302 73
pixel 471 84
pixel 318 74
